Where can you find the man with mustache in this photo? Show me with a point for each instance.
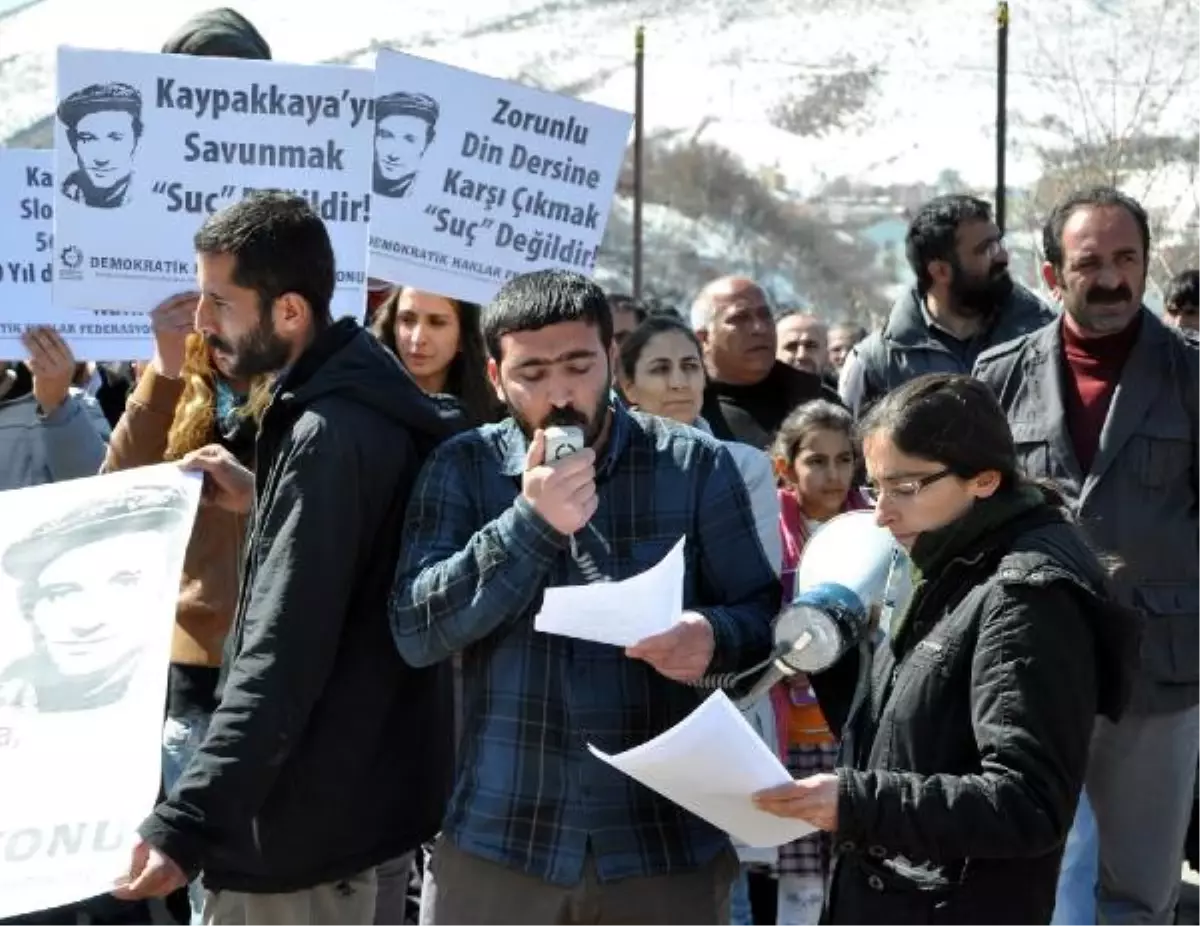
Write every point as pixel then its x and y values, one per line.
pixel 964 302
pixel 538 830
pixel 1104 403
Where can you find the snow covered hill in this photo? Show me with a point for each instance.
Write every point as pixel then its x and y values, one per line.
pixel 921 73
pixel 714 66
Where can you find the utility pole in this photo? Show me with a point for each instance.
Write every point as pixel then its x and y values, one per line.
pixel 639 87
pixel 1001 108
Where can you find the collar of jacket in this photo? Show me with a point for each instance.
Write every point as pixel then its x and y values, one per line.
pixel 985 526
pixel 514 447
pixel 907 328
pixel 327 343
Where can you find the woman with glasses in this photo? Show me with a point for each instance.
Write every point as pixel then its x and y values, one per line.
pixel 964 755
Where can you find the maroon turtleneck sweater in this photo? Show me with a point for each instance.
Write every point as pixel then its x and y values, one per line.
pixel 1092 368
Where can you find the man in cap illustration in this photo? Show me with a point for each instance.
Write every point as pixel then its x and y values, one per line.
pixel 88 582
pixel 405 124
pixel 104 125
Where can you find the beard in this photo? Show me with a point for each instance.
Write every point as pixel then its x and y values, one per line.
pixel 259 352
pixel 568 416
pixel 975 296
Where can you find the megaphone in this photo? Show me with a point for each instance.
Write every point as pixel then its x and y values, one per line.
pixel 850 568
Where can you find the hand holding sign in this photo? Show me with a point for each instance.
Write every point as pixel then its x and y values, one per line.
pixel 227 484
pixel 52 365
pixel 172 322
pixel 151 874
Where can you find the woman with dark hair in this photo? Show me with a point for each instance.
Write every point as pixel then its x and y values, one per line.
pixel 662 373
pixel 439 342
pixel 963 759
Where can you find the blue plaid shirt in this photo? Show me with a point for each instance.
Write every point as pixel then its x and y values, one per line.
pixel 476 559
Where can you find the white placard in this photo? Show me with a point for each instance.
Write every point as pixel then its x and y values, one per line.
pixel 89 580
pixel 476 180
pixel 148 145
pixel 26 269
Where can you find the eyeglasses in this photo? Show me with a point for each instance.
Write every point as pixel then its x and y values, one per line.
pixel 907 490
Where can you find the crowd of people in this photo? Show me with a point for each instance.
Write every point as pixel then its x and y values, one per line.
pixel 363 726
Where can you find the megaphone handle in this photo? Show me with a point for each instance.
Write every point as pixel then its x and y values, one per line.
pixel 862 688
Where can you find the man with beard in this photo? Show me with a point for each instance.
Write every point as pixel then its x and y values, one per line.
pixel 964 302
pixel 1104 404
pixel 539 831
pixel 326 755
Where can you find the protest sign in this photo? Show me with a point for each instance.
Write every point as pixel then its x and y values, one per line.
pixel 89 580
pixel 148 145
pixel 476 180
pixel 26 271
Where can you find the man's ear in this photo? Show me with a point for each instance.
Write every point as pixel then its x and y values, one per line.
pixel 493 372
pixel 940 272
pixel 291 314
pixel 1050 276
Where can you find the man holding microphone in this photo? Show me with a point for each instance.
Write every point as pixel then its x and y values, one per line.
pixel 539 831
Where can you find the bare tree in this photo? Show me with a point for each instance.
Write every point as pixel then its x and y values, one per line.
pixel 769 235
pixel 828 102
pixel 1122 80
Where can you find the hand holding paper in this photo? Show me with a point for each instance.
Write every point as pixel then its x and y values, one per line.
pixel 712 763
pixel 813 799
pixel 622 613
pixel 681 653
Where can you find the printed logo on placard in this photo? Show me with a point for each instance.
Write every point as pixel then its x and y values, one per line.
pixel 72 260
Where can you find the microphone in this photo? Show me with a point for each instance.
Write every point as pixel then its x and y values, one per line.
pixel 562 441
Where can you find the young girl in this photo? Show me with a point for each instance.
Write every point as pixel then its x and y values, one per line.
pixel 814 460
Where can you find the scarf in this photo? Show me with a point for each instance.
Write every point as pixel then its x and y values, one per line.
pixel 794 532
pixel 979 529
pixel 235 431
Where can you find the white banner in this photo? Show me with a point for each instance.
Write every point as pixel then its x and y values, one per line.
pixel 26 271
pixel 148 145
pixel 476 180
pixel 89 581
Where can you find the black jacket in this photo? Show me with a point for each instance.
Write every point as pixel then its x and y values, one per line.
pixel 328 754
pixel 960 774
pixel 113 393
pixel 752 414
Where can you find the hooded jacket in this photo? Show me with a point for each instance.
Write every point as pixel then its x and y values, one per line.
pixel 328 754
pixel 961 767
pixel 219 33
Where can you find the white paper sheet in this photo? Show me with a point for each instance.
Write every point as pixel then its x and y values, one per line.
pixel 711 763
pixel 621 613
